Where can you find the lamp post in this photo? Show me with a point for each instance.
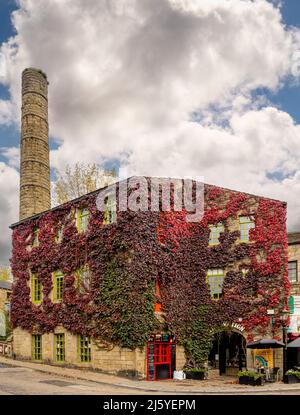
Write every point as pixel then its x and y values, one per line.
pixel 283 319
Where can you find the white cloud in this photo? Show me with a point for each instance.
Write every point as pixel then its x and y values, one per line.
pixel 6 112
pixel 126 75
pixel 12 155
pixel 9 207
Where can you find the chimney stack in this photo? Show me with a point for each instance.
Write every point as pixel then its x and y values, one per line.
pixel 34 165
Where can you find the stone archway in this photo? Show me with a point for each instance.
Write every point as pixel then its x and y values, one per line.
pixel 228 352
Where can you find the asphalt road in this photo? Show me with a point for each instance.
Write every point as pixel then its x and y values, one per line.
pixel 24 381
pixel 16 380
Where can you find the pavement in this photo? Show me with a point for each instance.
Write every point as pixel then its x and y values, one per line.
pixel 24 377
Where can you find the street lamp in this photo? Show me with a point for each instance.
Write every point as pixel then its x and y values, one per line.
pixel 283 319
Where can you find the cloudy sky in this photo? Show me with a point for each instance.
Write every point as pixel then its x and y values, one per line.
pixel 159 87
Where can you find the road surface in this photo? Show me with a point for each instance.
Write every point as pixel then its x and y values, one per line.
pixel 24 381
pixel 18 380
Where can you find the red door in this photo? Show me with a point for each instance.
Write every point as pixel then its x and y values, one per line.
pixel 161 351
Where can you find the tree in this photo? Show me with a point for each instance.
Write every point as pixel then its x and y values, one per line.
pixel 5 273
pixel 80 180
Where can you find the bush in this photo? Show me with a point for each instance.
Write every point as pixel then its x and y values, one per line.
pixel 251 374
pixel 292 372
pixel 195 370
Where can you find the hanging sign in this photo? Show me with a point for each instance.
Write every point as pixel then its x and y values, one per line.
pixel 291 305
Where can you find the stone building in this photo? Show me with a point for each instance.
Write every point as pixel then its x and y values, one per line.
pixel 293 354
pixel 5 294
pixel 144 292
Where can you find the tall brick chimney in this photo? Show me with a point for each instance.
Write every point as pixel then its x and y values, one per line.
pixel 35 167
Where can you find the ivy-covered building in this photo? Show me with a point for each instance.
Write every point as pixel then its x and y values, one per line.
pixel 293 355
pixel 143 293
pixel 146 292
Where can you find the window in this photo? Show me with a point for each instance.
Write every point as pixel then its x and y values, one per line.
pixel 59 347
pixel 292 267
pixel 110 211
pixel 82 219
pixel 84 346
pixel 215 231
pixel 59 234
pixel 35 240
pixel 36 347
pixel 83 279
pixel 245 272
pixel 215 279
pixel 58 286
pixel 36 289
pixel 246 223
pixel 156 290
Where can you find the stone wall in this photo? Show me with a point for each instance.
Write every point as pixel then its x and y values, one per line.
pixel 294 255
pixel 3 298
pixel 35 168
pixel 118 361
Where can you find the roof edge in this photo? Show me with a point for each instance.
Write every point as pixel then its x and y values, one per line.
pixel 77 199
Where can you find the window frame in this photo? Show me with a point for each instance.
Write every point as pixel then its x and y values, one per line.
pixel 245 271
pixel 296 269
pixel 35 240
pixel 251 220
pixel 110 211
pixel 214 230
pixel 59 234
pixel 84 351
pixel 36 349
pixel 215 296
pixel 59 352
pixel 80 216
pixel 79 280
pixel 156 291
pixel 58 275
pixel 35 284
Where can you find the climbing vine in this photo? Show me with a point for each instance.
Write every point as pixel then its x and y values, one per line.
pixel 125 259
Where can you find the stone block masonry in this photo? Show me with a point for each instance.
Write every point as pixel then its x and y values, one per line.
pixel 34 168
pixel 118 361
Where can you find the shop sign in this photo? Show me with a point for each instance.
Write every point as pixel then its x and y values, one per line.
pixel 294 305
pixel 236 326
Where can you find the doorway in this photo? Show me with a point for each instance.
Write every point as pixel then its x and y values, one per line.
pixel 228 353
pixel 161 357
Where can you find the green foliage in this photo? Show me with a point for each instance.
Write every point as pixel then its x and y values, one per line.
pixel 7 326
pixel 292 372
pixel 127 315
pixel 197 340
pixel 250 374
pixel 195 370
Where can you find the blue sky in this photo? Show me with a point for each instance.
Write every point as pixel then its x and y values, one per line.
pixel 288 97
pixel 9 136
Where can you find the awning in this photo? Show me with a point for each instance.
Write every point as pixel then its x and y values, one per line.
pixel 265 344
pixel 294 343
